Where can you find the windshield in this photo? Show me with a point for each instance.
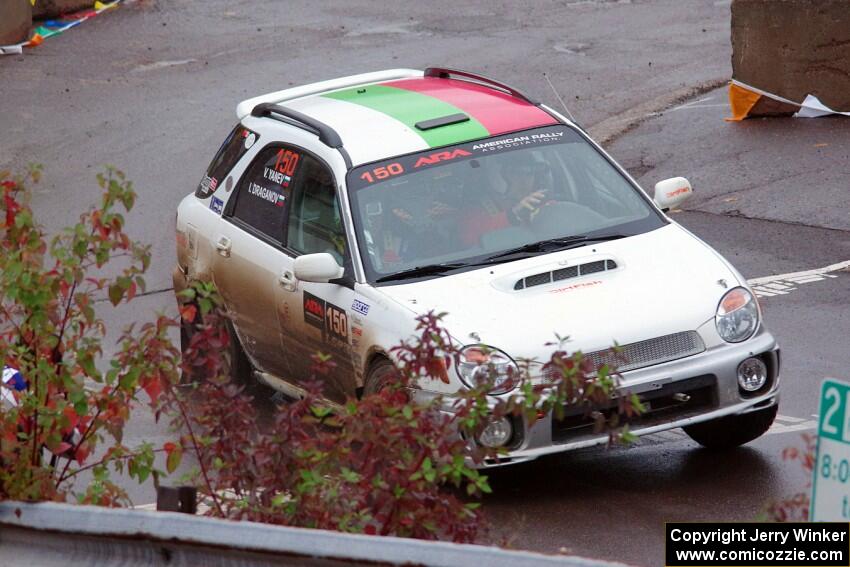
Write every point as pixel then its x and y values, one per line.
pixel 465 205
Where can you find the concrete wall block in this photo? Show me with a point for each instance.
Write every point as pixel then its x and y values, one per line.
pixel 794 47
pixel 15 21
pixel 46 9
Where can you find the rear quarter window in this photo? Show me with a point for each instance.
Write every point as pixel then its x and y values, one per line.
pixel 231 151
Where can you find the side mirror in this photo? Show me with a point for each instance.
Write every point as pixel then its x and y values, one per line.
pixel 318 268
pixel 672 192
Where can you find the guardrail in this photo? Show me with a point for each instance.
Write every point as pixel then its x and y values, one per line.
pixel 49 534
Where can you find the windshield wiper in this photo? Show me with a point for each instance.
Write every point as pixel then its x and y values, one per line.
pixel 429 270
pixel 555 244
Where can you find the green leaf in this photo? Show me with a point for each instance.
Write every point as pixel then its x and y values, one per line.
pixel 174 458
pixel 349 475
pixel 116 292
pixel 321 411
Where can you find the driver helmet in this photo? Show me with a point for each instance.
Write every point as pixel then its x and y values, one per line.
pixel 521 163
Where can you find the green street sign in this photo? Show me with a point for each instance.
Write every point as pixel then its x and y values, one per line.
pixel 831 475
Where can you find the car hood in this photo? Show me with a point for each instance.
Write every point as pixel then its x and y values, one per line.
pixel 657 283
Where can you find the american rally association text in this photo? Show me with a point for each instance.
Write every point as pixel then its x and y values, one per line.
pixel 757 534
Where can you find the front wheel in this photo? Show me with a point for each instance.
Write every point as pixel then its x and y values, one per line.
pixel 733 430
pixel 382 374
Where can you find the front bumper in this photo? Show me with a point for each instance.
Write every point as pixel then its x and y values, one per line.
pixel 709 379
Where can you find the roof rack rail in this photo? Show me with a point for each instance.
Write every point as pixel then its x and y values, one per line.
pixel 327 135
pixel 444 73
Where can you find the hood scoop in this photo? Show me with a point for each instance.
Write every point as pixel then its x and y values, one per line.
pixel 565 273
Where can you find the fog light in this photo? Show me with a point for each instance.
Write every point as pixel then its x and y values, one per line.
pixel 497 433
pixel 752 374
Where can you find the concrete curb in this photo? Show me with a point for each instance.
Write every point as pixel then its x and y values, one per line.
pixel 792 48
pixel 613 127
pixel 31 534
pixel 15 21
pixel 46 9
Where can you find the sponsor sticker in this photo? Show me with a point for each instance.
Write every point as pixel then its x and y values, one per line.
pixel 208 186
pixel 516 141
pixel 360 307
pixel 216 205
pixel 398 168
pixel 576 286
pixel 314 311
pixel 440 156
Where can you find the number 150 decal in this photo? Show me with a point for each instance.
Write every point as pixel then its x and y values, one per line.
pixel 330 319
pixel 336 323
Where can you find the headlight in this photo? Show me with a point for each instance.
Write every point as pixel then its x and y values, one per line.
pixel 481 364
pixel 737 315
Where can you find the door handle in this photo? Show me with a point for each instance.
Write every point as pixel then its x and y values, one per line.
pixel 223 245
pixel 287 280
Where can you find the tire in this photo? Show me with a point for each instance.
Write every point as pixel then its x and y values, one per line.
pixel 187 330
pixel 734 430
pixel 381 373
pixel 241 371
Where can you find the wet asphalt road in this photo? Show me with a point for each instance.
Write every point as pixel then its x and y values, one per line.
pixel 152 87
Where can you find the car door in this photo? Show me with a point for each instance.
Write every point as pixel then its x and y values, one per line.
pixel 251 257
pixel 315 316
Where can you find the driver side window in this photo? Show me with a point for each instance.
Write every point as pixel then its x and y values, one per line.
pixel 315 222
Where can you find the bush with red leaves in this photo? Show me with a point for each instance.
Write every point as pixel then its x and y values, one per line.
pixel 389 463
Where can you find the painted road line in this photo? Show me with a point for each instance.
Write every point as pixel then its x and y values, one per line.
pixel 788 424
pixel 782 424
pixel 783 284
pixel 699 104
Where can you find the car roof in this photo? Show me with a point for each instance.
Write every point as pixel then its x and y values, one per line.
pixel 376 114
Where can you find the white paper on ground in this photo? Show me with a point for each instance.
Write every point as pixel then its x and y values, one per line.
pixel 812 107
pixel 11 49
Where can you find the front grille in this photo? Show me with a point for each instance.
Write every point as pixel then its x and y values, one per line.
pixel 671 402
pixel 650 352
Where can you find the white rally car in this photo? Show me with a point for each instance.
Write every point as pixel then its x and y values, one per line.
pixel 335 213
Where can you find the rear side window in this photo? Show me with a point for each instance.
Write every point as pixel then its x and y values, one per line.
pixel 231 151
pixel 262 199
